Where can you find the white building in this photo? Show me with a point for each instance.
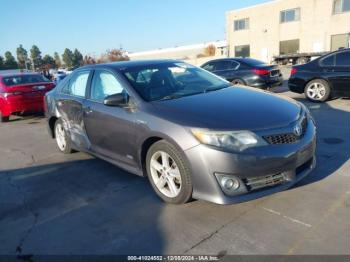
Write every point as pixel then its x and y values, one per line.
pixel 288 26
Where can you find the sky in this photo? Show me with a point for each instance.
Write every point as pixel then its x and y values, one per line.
pixel 94 26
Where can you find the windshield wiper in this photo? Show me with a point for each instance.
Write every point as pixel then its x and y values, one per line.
pixel 176 96
pixel 214 89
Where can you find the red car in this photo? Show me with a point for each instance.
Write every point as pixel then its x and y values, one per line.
pixel 22 92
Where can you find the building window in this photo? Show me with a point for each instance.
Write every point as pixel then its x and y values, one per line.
pixel 341 6
pixel 242 51
pixel 289 47
pixel 290 15
pixel 241 24
pixel 339 41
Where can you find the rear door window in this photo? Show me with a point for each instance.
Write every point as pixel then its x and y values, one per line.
pixel 342 59
pixel 77 84
pixel 105 84
pixel 224 65
pixel 328 61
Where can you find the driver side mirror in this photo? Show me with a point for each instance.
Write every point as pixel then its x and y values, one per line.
pixel 120 100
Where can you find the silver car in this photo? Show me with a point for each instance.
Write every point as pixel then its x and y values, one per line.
pixel 193 134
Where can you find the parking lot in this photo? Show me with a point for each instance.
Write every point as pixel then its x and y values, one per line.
pixel 75 204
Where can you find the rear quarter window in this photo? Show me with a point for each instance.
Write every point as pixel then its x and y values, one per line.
pixel 328 61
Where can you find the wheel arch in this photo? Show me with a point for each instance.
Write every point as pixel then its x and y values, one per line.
pixel 52 122
pixel 148 142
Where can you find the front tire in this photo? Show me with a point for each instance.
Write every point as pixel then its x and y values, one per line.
pixel 63 141
pixel 318 91
pixel 169 173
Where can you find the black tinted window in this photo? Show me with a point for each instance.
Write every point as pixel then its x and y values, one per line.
pixel 328 61
pixel 253 62
pixel 225 65
pixel 24 79
pixel 209 67
pixel 343 59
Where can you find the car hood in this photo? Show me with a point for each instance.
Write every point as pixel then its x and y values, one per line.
pixel 236 108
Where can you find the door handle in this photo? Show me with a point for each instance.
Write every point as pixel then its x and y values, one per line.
pixel 328 70
pixel 88 110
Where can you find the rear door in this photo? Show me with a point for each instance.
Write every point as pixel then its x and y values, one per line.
pixel 341 79
pixel 111 130
pixel 70 104
pixel 227 69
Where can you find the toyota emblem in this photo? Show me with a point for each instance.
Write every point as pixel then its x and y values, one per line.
pixel 298 130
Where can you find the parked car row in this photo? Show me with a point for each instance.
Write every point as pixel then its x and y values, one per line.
pixel 321 79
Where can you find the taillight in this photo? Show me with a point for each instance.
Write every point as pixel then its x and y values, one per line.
pixel 294 71
pixel 261 72
pixel 11 94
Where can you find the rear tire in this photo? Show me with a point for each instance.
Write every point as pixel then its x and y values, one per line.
pixel 169 173
pixel 63 141
pixel 4 119
pixel 238 82
pixel 318 91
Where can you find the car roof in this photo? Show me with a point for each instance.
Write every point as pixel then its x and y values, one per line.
pixel 128 64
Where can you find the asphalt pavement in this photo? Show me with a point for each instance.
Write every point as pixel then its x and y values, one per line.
pixel 52 203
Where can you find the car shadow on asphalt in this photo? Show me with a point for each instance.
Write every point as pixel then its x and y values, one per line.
pixel 27 116
pixel 78 207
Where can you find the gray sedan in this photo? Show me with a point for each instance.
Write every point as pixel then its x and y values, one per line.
pixel 193 134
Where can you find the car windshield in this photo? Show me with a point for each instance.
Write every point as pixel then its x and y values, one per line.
pixel 168 81
pixel 24 79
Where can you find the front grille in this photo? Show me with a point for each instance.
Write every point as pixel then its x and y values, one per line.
pixel 290 138
pixel 256 183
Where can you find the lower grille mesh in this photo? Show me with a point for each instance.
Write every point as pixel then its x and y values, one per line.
pixel 261 182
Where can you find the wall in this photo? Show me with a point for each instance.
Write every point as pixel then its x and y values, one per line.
pixel 317 24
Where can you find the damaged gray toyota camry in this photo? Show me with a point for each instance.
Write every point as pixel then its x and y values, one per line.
pixel 193 134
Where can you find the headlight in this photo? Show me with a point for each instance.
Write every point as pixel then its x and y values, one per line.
pixel 235 140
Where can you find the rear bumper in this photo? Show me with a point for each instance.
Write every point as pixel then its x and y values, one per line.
pixel 11 105
pixel 266 83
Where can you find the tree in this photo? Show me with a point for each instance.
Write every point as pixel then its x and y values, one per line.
pixel 88 60
pixel 58 61
pixel 210 50
pixel 22 57
pixel 113 56
pixel 35 55
pixel 10 61
pixel 78 58
pixel 68 58
pixel 117 55
pixel 48 62
pixel 2 63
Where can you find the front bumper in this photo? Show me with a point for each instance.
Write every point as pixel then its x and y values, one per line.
pixel 298 158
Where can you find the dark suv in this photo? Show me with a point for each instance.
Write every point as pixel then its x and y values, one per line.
pixel 246 71
pixel 323 78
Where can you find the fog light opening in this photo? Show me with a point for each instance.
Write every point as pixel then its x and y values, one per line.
pixel 229 184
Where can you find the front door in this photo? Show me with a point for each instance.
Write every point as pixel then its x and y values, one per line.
pixel 341 80
pixel 111 130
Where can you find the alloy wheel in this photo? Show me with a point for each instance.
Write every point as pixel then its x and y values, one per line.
pixel 60 137
pixel 165 174
pixel 316 91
